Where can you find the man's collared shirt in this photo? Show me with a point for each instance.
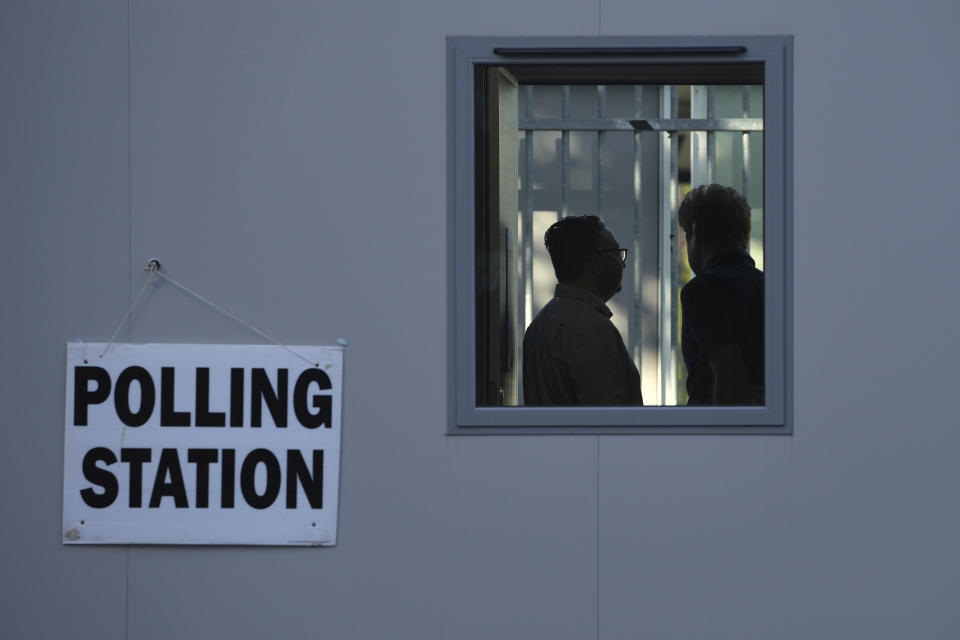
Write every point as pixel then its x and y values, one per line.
pixel 573 354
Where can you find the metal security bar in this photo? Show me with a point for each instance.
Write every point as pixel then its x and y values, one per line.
pixel 530 123
pixel 702 127
pixel 669 274
pixel 634 339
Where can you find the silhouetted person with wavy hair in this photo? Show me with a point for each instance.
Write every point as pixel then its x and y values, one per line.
pixel 722 306
pixel 572 353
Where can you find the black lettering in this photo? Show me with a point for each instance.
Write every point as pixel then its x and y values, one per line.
pixel 312 483
pixel 204 417
pixel 168 416
pixel 169 464
pixel 236 397
pixel 227 476
pixel 248 473
pixel 262 391
pixel 135 458
pixel 322 402
pixel 100 477
pixel 203 458
pixel 83 396
pixel 121 396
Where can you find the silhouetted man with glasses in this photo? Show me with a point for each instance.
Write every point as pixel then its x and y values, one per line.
pixel 722 334
pixel 572 353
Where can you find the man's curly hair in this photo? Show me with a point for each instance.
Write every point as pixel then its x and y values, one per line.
pixel 721 214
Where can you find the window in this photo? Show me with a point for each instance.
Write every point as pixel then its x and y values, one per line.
pixel 543 128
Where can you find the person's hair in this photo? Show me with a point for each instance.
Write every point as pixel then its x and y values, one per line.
pixel 721 214
pixel 570 242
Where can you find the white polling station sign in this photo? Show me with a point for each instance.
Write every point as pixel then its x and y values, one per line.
pixel 202 444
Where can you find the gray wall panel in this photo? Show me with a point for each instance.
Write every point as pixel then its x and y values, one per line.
pixel 520 553
pixel 843 530
pixel 63 254
pixel 288 163
pixel 694 536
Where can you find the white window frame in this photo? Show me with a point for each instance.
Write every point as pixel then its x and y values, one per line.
pixel 463 56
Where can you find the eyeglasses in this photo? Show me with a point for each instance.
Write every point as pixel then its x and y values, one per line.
pixel 620 250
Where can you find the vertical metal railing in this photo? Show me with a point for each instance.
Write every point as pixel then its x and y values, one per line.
pixel 525 290
pixel 636 334
pixel 711 138
pixel 669 266
pixel 565 154
pixel 600 161
pixel 745 145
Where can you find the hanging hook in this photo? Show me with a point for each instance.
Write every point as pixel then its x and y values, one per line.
pixel 152 265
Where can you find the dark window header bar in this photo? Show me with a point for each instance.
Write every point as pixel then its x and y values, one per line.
pixel 619 52
pixel 571 72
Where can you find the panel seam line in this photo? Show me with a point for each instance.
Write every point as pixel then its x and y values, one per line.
pixel 598 538
pixel 126 604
